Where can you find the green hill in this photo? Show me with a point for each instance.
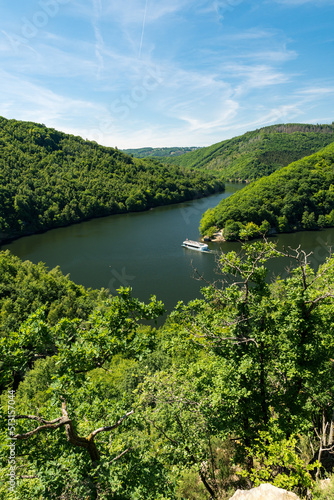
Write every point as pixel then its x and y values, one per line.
pixel 299 196
pixel 158 152
pixel 50 179
pixel 260 152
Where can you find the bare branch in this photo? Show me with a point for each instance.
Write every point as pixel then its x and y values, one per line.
pixel 217 339
pixel 163 433
pixel 48 425
pixel 111 427
pixel 120 455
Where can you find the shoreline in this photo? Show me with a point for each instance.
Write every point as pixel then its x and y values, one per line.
pixel 5 238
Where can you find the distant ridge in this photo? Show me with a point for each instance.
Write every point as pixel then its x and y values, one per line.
pixel 259 152
pixel 159 152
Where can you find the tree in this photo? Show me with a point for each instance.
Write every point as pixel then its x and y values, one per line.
pixel 275 343
pixel 208 221
pixel 78 348
pixel 87 443
pixel 283 224
pixel 244 374
pixel 231 230
pixel 309 220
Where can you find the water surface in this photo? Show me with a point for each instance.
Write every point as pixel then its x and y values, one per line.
pixel 143 250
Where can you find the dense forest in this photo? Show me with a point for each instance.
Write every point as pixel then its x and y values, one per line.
pixel 260 152
pixel 297 197
pixel 158 152
pixel 50 179
pixel 235 389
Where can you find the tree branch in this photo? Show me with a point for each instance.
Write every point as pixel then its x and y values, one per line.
pixel 111 427
pixel 52 424
pixel 120 455
pixel 84 442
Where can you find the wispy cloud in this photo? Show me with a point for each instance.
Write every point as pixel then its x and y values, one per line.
pixel 256 76
pixel 99 44
pixel 168 72
pixel 25 99
pixel 294 3
pixel 317 91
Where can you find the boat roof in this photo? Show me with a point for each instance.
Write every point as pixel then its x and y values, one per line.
pixel 196 243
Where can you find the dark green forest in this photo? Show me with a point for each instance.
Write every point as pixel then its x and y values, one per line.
pixel 297 197
pixel 50 179
pixel 259 152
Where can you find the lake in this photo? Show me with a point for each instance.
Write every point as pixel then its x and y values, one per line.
pixel 143 250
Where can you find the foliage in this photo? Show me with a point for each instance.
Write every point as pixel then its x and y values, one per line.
pixel 275 346
pixel 299 196
pixel 94 406
pixel 260 152
pixel 50 179
pixel 277 461
pixel 207 226
pixel 25 287
pixel 222 396
pixel 158 152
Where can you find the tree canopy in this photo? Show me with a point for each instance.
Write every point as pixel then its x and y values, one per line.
pixel 234 389
pixel 299 196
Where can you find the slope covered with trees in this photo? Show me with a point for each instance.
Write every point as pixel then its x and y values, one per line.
pixel 50 179
pixel 299 196
pixel 234 390
pixel 158 152
pixel 260 152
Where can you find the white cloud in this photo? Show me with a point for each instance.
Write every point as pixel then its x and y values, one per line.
pixel 250 34
pixel 273 56
pixel 224 112
pixel 256 76
pixel 294 3
pixel 316 91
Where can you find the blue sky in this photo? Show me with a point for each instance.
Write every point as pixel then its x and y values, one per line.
pixel 137 73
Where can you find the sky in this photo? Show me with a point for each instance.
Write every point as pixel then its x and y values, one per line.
pixel 163 73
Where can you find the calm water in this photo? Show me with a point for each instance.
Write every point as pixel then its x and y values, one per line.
pixel 143 250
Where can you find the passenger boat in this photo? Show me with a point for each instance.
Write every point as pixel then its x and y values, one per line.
pixel 195 245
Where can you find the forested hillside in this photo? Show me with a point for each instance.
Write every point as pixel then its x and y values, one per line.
pixel 260 152
pixel 235 389
pixel 158 152
pixel 299 196
pixel 50 179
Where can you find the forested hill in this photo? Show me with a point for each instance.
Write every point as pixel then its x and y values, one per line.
pixel 158 152
pixel 260 152
pixel 50 179
pixel 299 196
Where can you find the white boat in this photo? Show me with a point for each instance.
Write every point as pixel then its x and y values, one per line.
pixel 195 245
